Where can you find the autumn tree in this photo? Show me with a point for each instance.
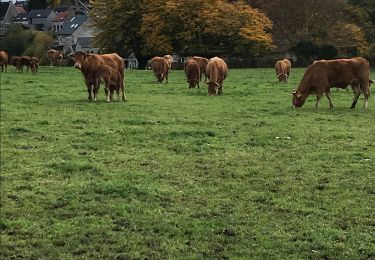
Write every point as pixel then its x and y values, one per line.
pixel 155 27
pixel 320 22
pixel 208 28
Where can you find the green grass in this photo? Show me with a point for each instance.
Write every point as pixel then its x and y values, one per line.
pixel 173 173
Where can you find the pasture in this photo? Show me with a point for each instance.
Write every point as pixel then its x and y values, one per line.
pixel 173 173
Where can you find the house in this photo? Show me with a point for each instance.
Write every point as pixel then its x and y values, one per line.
pixel 85 44
pixel 21 18
pixel 41 19
pixel 76 27
pixel 58 22
pixel 7 14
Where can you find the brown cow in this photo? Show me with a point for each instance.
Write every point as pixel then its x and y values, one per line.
pixel 202 66
pixel 192 72
pixel 3 60
pixel 89 64
pixel 216 71
pixel 160 67
pixel 16 62
pixel 282 69
pixel 54 57
pixel 35 62
pixel 325 74
pixel 112 81
pixel 26 61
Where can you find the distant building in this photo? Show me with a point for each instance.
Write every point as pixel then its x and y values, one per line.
pixel 7 14
pixel 77 27
pixel 41 19
pixel 21 18
pixel 58 22
pixel 85 44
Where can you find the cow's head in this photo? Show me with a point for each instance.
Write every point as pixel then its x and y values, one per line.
pixel 213 88
pixel 298 99
pixel 79 58
pixel 60 57
pixel 282 77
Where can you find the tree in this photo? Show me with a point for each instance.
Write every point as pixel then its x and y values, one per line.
pixel 118 25
pixel 155 27
pixel 39 45
pixel 36 4
pixel 16 40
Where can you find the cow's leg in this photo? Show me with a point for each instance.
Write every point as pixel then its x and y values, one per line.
pixel 107 91
pixel 96 90
pixel 329 96
pixel 220 89
pixel 89 90
pixel 365 87
pixel 318 98
pixel 357 92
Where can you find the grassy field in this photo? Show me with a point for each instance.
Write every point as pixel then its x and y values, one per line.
pixel 173 173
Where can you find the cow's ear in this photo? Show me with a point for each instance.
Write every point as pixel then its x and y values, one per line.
pixel 71 55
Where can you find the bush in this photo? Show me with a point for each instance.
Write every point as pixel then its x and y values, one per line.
pixel 39 45
pixel 16 40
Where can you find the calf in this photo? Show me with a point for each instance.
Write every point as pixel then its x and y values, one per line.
pixel 325 74
pixel 216 71
pixel 192 72
pixel 3 60
pixel 112 81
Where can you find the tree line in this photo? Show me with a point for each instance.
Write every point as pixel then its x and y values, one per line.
pixel 252 28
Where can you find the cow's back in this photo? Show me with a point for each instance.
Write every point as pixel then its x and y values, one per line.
pixel 202 63
pixel 159 65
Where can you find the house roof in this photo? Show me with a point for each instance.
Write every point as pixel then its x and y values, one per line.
pixel 62 16
pixel 21 17
pixel 3 9
pixel 71 25
pixel 40 13
pixel 60 9
pixel 19 9
pixel 85 42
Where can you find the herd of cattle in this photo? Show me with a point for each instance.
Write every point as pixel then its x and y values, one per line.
pixel 319 77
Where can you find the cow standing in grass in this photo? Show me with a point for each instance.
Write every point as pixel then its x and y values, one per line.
pixel 202 66
pixel 160 67
pixel 3 60
pixel 112 81
pixel 216 71
pixel 192 72
pixel 55 57
pixel 325 74
pixel 282 68
pixel 89 64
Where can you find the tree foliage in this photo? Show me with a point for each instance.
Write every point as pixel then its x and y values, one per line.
pixel 152 27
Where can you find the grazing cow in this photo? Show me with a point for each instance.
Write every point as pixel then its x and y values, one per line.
pixel 282 69
pixel 216 71
pixel 169 59
pixel 3 60
pixel 325 74
pixel 28 62
pixel 89 64
pixel 160 68
pixel 35 62
pixel 112 81
pixel 202 66
pixel 54 57
pixel 16 62
pixel 192 72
